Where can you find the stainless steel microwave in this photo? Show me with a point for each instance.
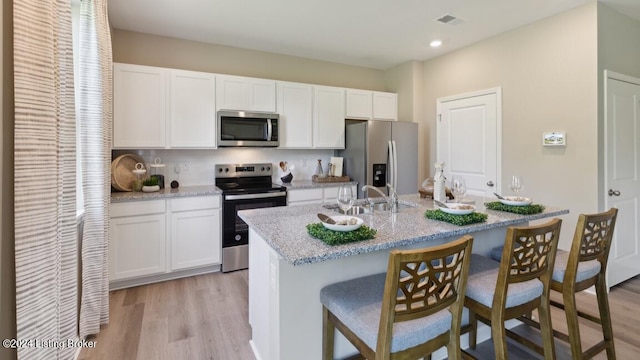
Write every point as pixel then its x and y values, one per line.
pixel 245 128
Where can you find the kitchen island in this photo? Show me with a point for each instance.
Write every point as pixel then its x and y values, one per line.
pixel 288 267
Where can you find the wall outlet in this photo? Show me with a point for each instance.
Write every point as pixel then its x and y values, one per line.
pixel 181 167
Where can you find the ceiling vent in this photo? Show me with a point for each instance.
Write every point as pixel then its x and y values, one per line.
pixel 449 20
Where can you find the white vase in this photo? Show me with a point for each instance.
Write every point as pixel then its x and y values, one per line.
pixel 150 188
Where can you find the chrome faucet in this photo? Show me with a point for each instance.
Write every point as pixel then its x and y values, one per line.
pixel 392 199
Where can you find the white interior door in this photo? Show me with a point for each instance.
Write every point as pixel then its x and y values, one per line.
pixel 468 139
pixel 622 164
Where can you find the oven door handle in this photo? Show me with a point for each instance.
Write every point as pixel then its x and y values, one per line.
pixel 255 196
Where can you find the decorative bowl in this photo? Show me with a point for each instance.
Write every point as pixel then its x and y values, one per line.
pixel 344 223
pixel 287 178
pixel 458 209
pixel 516 200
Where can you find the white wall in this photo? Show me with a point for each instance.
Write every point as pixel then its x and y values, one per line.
pixel 548 74
pixel 144 49
pixel 201 163
pixel 407 81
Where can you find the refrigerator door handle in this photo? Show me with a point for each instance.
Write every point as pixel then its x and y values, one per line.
pixel 395 166
pixel 391 163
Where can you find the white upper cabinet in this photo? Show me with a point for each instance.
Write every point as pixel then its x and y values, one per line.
pixel 243 93
pixel 359 104
pixel 192 109
pixel 328 117
pixel 385 106
pixel 295 106
pixel 170 108
pixel 371 105
pixel 139 106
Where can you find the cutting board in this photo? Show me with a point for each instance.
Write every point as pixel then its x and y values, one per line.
pixel 337 165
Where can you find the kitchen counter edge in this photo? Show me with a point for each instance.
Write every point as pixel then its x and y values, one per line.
pixel 166 193
pixel 308 184
pixel 297 247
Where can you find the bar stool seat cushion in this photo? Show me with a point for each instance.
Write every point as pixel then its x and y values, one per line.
pixel 586 269
pixel 483 276
pixel 358 302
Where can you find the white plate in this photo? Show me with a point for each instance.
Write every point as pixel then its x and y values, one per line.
pixel 516 200
pixel 458 209
pixel 339 218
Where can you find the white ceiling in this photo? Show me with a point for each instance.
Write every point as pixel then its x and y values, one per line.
pixel 378 34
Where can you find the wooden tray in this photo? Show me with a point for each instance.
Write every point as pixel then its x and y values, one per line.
pixel 121 175
pixel 427 193
pixel 330 179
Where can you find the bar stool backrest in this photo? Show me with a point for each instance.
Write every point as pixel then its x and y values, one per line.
pixel 424 282
pixel 529 253
pixel 592 239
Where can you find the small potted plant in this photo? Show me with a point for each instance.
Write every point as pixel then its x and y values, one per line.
pixel 150 184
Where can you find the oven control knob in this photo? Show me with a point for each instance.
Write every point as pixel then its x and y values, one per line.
pixel 238 237
pixel 262 168
pixel 220 170
pixel 226 170
pixel 268 168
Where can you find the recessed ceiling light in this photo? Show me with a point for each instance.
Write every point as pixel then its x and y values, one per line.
pixel 435 43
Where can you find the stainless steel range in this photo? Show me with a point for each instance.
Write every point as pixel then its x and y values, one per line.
pixel 244 186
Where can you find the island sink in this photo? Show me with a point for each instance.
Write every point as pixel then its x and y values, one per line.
pixel 364 208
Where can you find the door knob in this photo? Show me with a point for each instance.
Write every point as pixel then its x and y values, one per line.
pixel 614 192
pixel 490 183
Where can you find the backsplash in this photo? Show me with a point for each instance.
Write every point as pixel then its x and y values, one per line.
pixel 197 166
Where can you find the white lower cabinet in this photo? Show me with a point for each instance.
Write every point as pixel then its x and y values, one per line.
pixel 155 240
pixel 319 195
pixel 304 196
pixel 195 232
pixel 138 242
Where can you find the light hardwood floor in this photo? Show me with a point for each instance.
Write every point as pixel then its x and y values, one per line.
pixel 205 317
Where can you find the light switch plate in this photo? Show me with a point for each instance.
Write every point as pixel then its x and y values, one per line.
pixel 554 138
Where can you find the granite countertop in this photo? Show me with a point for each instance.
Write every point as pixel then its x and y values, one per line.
pixel 204 190
pixel 167 192
pixel 308 184
pixel 283 228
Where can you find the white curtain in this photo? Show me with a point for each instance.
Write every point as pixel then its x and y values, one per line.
pixel 94 117
pixel 45 166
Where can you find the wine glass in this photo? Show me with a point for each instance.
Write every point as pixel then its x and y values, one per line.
pixel 345 198
pixel 458 188
pixel 516 184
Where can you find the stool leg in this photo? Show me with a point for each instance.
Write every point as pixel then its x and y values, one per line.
pixel 499 335
pixel 571 313
pixel 328 334
pixel 605 317
pixel 544 312
pixel 473 334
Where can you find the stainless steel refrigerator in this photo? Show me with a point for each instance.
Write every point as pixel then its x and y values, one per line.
pixel 381 152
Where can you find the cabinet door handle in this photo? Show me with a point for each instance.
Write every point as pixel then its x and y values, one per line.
pixel 490 183
pixel 614 192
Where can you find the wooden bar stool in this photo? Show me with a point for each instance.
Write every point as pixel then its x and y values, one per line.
pixel 410 311
pixel 518 284
pixel 583 266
